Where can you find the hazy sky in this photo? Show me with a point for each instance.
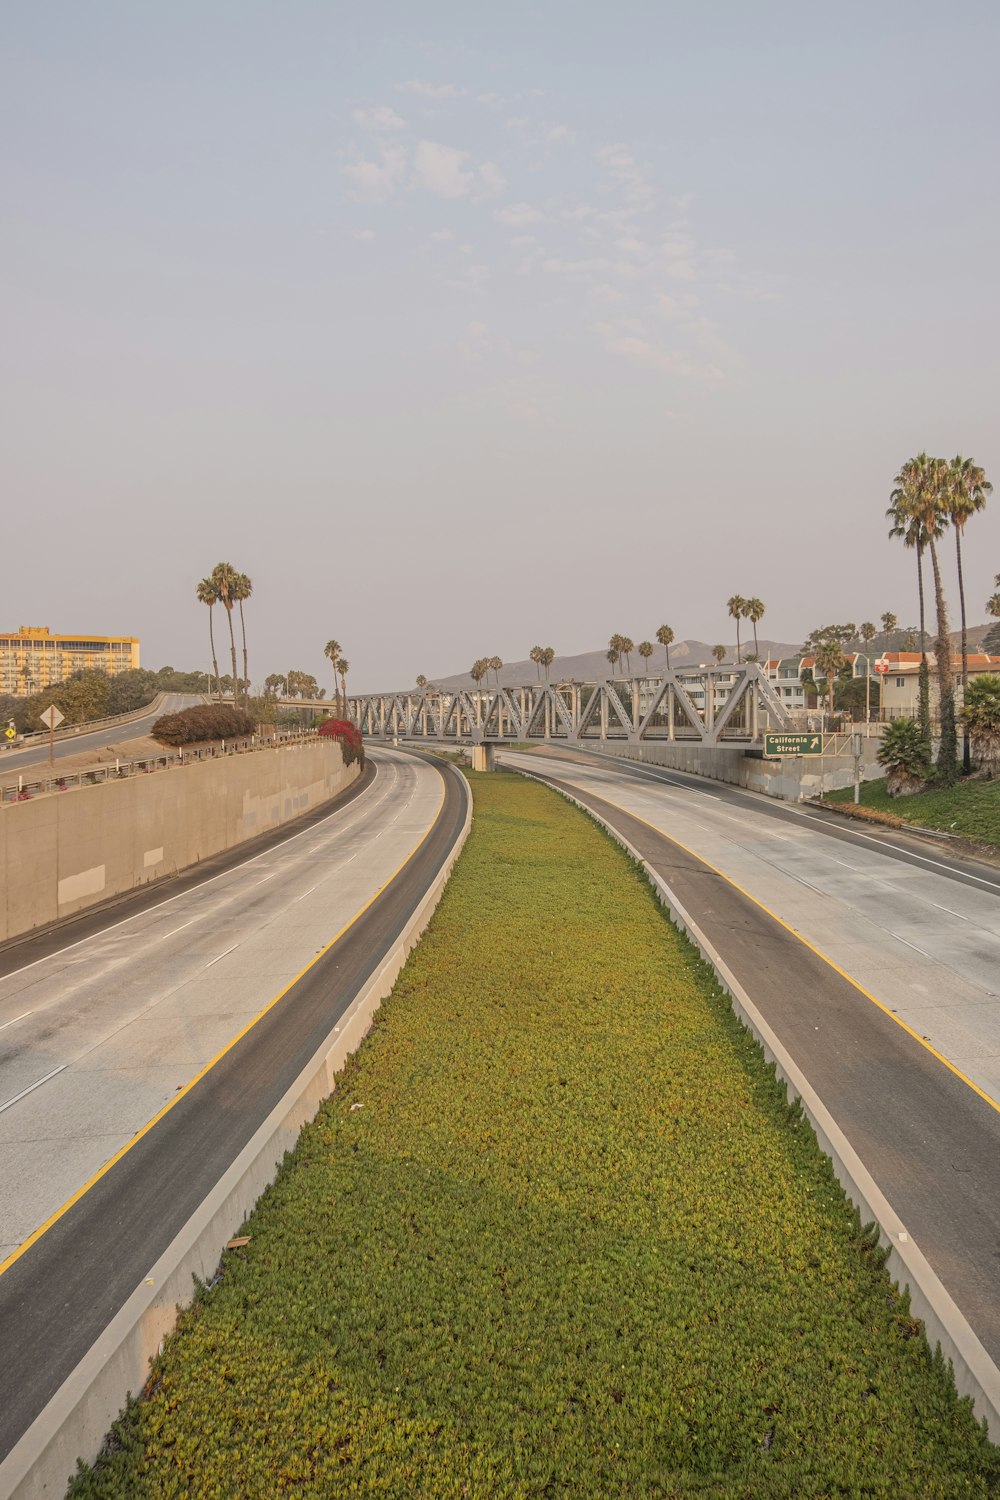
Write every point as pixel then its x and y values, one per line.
pixel 465 326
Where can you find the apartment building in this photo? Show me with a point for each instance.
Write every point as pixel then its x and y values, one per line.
pixel 33 658
pixel 899 672
pixel 790 674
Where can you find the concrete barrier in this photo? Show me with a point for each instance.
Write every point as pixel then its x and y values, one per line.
pixel 975 1373
pixel 790 779
pixel 75 1422
pixel 62 853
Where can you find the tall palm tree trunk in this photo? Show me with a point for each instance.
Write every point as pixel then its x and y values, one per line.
pixel 246 670
pixel 966 746
pixel 215 660
pixel 924 681
pixel 947 763
pixel 232 648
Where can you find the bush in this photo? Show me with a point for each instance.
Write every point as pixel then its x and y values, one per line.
pixel 206 721
pixel 981 716
pixel 349 735
pixel 903 752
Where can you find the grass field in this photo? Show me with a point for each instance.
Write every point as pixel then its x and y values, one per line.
pixel 972 808
pixel 557 1233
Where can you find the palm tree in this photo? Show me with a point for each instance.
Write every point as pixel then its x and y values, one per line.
pixel 889 623
pixel 333 651
pixel 830 659
pixel 627 647
pixel 968 488
pixel 242 589
pixel 535 654
pixel 914 515
pixel 645 649
pixel 548 657
pixel 612 655
pixel 343 667
pixel 719 652
pixel 207 593
pixel 421 680
pixel 665 636
pixel 868 634
pixel 754 611
pixel 479 669
pixel 225 577
pixel 497 665
pixel 736 606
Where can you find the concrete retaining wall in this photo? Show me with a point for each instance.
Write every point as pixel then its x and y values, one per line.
pixel 790 780
pixel 61 853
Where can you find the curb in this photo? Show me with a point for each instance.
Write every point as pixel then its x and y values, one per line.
pixel 974 1372
pixel 76 1421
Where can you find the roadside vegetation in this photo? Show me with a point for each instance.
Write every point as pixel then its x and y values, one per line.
pixel 556 1233
pixel 970 808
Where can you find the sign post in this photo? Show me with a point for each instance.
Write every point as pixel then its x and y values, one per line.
pixel 793 744
pixel 10 734
pixel 53 718
pixel 857 749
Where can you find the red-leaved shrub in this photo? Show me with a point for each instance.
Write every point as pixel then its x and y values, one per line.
pixel 352 746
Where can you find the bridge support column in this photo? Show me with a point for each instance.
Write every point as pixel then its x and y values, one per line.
pixel 483 758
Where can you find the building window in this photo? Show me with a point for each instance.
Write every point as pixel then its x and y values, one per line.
pixel 900 681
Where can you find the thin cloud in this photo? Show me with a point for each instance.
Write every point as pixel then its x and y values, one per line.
pixel 378 118
pixel 425 90
pixel 375 181
pixel 518 213
pixel 441 169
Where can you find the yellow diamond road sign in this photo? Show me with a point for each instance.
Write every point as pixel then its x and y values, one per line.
pixel 793 744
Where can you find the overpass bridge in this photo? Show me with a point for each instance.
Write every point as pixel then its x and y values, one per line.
pixel 710 706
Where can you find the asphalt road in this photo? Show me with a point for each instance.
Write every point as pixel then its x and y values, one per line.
pixel 62 1291
pixel 929 1138
pixel 92 739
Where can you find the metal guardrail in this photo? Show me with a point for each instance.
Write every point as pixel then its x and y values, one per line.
pixel 53 781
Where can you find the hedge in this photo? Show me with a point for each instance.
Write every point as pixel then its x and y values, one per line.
pixel 206 721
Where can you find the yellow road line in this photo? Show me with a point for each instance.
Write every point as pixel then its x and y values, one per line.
pixel 65 1207
pixel 813 949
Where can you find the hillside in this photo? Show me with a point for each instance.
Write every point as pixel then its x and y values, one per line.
pixel 591 666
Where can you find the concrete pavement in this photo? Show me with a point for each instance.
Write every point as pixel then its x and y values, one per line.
pixel 96 1039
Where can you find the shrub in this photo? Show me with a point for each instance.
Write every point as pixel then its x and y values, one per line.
pixel 981 716
pixel 206 721
pixel 349 735
pixel 903 752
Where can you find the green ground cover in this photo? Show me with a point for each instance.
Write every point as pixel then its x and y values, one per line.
pixel 971 808
pixel 557 1233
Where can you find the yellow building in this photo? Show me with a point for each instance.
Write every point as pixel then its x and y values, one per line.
pixel 33 658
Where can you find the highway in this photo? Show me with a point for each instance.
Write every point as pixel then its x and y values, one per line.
pixel 204 999
pixel 875 959
pixel 93 739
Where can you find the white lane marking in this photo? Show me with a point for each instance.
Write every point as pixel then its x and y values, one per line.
pixel 911 945
pixel 948 909
pixel 180 894
pixel 32 1086
pixel 219 956
pixel 910 855
pixel 304 894
pixel 5 1024
pixel 172 931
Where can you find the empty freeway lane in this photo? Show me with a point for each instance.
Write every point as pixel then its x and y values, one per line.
pixel 169 1037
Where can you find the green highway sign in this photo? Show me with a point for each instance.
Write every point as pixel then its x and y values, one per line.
pixel 793 744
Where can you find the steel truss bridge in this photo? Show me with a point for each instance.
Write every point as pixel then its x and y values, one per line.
pixel 714 706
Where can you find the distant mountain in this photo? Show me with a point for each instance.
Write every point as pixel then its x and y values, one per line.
pixel 592 666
